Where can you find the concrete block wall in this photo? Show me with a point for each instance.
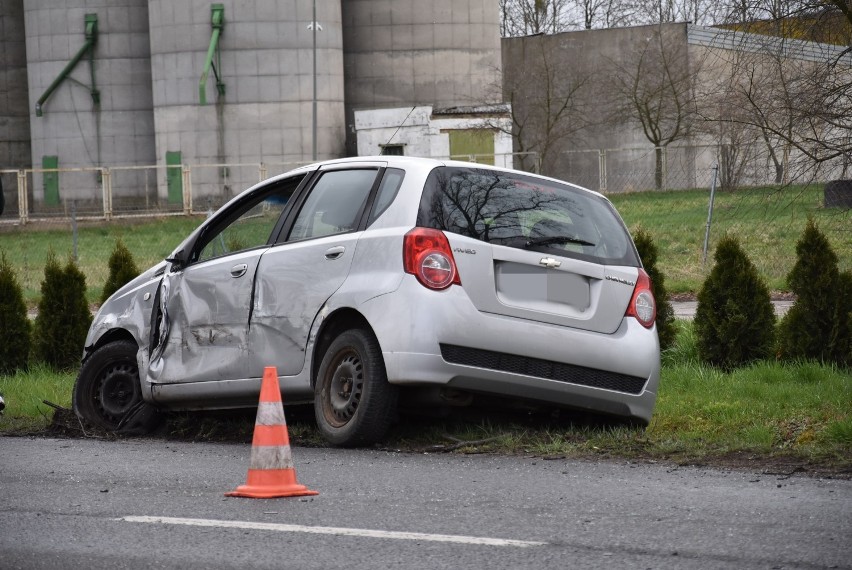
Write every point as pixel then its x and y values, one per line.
pixel 120 131
pixel 590 57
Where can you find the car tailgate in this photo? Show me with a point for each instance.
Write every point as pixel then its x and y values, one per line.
pixel 543 287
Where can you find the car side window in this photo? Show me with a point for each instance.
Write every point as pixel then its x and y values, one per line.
pixel 388 189
pixel 334 204
pixel 250 226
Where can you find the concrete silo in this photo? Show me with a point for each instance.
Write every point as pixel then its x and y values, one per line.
pixel 258 94
pixel 15 119
pixel 90 98
pixel 406 53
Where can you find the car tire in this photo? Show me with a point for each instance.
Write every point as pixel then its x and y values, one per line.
pixel 354 404
pixel 108 394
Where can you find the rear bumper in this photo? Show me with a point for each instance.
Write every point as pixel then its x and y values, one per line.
pixel 412 323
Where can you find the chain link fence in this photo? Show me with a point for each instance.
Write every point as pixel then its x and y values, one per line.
pixel 762 197
pixel 60 195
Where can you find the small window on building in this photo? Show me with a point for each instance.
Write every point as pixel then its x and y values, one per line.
pixel 393 149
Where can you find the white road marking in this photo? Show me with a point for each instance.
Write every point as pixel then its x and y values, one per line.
pixel 335 531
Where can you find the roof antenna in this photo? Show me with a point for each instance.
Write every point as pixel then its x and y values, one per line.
pixel 397 129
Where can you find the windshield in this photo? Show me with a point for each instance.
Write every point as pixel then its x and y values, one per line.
pixel 525 212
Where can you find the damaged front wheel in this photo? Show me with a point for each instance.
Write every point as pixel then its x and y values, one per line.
pixel 108 394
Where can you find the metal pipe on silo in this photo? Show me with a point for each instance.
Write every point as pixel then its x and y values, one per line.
pixel 91 22
pixel 217 20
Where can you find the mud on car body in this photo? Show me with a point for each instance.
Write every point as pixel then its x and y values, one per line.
pixel 364 280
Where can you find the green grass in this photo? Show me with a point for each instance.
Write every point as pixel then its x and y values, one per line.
pixel 800 412
pixel 149 240
pixel 768 222
pixel 25 393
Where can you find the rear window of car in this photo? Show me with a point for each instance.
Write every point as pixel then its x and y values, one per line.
pixel 525 212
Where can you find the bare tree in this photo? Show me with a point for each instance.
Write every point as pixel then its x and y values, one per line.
pixel 548 98
pixel 528 17
pixel 603 13
pixel 798 94
pixel 654 88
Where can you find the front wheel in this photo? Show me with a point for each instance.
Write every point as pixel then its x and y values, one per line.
pixel 107 393
pixel 353 402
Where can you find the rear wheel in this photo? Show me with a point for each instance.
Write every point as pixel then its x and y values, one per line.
pixel 353 402
pixel 107 393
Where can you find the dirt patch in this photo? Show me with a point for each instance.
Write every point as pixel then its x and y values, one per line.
pixel 238 426
pixel 691 296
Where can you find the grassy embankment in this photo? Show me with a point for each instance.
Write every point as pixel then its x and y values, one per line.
pixel 768 221
pixel 797 414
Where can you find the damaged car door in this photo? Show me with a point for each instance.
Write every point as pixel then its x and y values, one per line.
pixel 308 264
pixel 205 299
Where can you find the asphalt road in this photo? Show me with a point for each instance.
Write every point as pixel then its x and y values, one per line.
pixel 160 504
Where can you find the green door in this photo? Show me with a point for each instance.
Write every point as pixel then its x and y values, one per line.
pixel 50 180
pixel 174 176
pixel 479 142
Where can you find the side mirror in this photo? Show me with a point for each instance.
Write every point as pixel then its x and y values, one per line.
pixel 178 260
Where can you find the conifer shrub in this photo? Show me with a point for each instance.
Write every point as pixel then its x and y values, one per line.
pixel 817 326
pixel 63 315
pixel 666 329
pixel 15 328
pixel 734 320
pixel 122 269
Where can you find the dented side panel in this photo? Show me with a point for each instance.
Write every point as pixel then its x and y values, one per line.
pixel 294 281
pixel 129 309
pixel 207 312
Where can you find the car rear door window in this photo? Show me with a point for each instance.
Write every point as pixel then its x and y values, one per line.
pixel 335 204
pixel 391 181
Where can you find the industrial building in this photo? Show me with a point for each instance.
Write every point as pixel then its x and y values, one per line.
pixel 236 89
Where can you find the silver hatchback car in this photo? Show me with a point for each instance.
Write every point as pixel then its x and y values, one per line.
pixel 372 281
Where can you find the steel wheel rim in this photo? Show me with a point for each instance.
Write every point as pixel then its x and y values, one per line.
pixel 343 387
pixel 117 390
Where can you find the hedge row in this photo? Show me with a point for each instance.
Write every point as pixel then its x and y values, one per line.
pixel 734 321
pixel 59 332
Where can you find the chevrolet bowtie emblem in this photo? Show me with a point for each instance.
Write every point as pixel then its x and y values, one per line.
pixel 549 262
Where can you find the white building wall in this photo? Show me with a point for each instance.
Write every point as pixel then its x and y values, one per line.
pixel 423 135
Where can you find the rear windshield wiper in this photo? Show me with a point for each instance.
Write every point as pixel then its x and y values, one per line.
pixel 556 239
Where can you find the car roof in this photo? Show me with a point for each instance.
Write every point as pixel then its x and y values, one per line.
pixel 418 163
pixel 421 162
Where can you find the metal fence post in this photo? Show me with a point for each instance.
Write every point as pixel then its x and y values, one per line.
pixel 602 170
pixel 187 189
pixel 106 188
pixel 74 238
pixel 710 211
pixel 23 202
pixel 262 172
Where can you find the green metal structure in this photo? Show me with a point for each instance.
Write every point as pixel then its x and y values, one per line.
pixel 217 20
pixel 91 22
pixel 174 176
pixel 50 180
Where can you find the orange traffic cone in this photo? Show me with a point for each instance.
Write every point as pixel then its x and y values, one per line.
pixel 271 473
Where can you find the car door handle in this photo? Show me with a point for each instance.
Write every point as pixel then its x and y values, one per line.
pixel 239 270
pixel 334 252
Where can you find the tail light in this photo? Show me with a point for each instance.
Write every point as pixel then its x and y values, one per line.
pixel 642 306
pixel 426 254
